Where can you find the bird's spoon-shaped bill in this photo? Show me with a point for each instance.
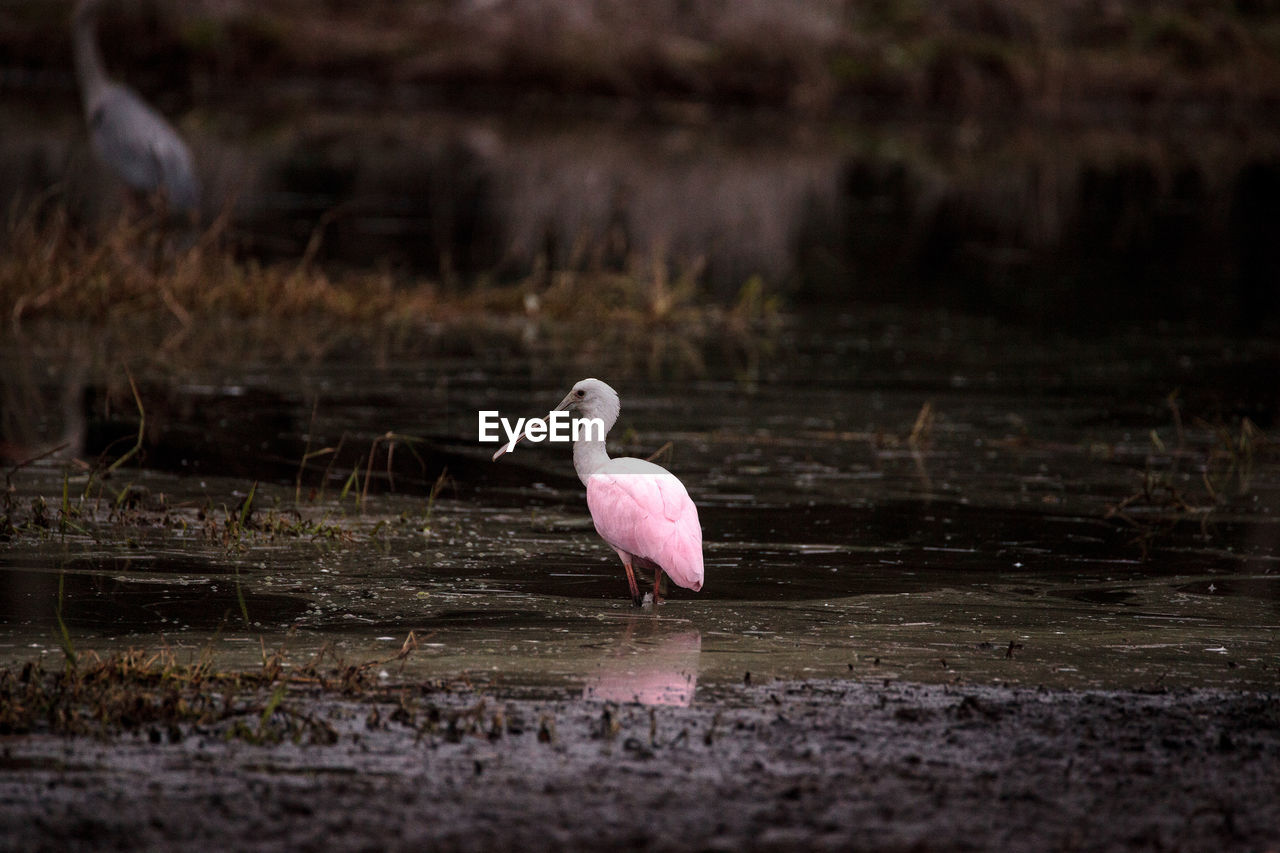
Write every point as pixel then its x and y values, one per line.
pixel 510 445
pixel 564 405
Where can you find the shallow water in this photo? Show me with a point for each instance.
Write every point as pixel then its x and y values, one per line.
pixel 987 550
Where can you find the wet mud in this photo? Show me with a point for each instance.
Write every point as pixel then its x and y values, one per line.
pixel 828 764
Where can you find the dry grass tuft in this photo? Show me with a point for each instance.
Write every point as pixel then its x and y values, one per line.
pixel 137 281
pixel 136 267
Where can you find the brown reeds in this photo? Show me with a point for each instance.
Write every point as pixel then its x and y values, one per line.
pixel 170 296
pixel 139 267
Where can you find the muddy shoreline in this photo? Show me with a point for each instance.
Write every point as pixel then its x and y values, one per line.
pixel 787 765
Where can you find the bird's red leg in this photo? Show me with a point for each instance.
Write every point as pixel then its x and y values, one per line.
pixel 631 579
pixel 657 586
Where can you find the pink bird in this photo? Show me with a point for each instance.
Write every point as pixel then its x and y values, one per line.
pixel 638 507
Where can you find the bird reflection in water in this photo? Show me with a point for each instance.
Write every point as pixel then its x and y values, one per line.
pixel 652 663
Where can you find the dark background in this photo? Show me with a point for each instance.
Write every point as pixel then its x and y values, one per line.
pixel 1091 164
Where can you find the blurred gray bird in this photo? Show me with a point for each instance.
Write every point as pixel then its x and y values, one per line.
pixel 127 134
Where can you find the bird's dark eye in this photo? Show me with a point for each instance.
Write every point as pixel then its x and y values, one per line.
pixel 582 392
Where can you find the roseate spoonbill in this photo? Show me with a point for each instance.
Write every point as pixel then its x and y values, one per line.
pixel 638 507
pixel 127 134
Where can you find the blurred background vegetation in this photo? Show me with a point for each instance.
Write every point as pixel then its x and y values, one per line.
pixel 1082 163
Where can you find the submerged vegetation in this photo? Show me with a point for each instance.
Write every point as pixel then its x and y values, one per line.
pixel 100 513
pixel 93 505
pixel 1195 477
pixel 164 698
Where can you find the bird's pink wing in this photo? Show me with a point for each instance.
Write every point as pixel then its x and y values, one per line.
pixel 650 516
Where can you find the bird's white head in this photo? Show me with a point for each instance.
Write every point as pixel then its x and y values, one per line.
pixel 592 398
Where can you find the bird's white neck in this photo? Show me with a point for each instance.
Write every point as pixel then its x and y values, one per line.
pixel 602 404
pixel 89 69
pixel 587 457
pixel 590 453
